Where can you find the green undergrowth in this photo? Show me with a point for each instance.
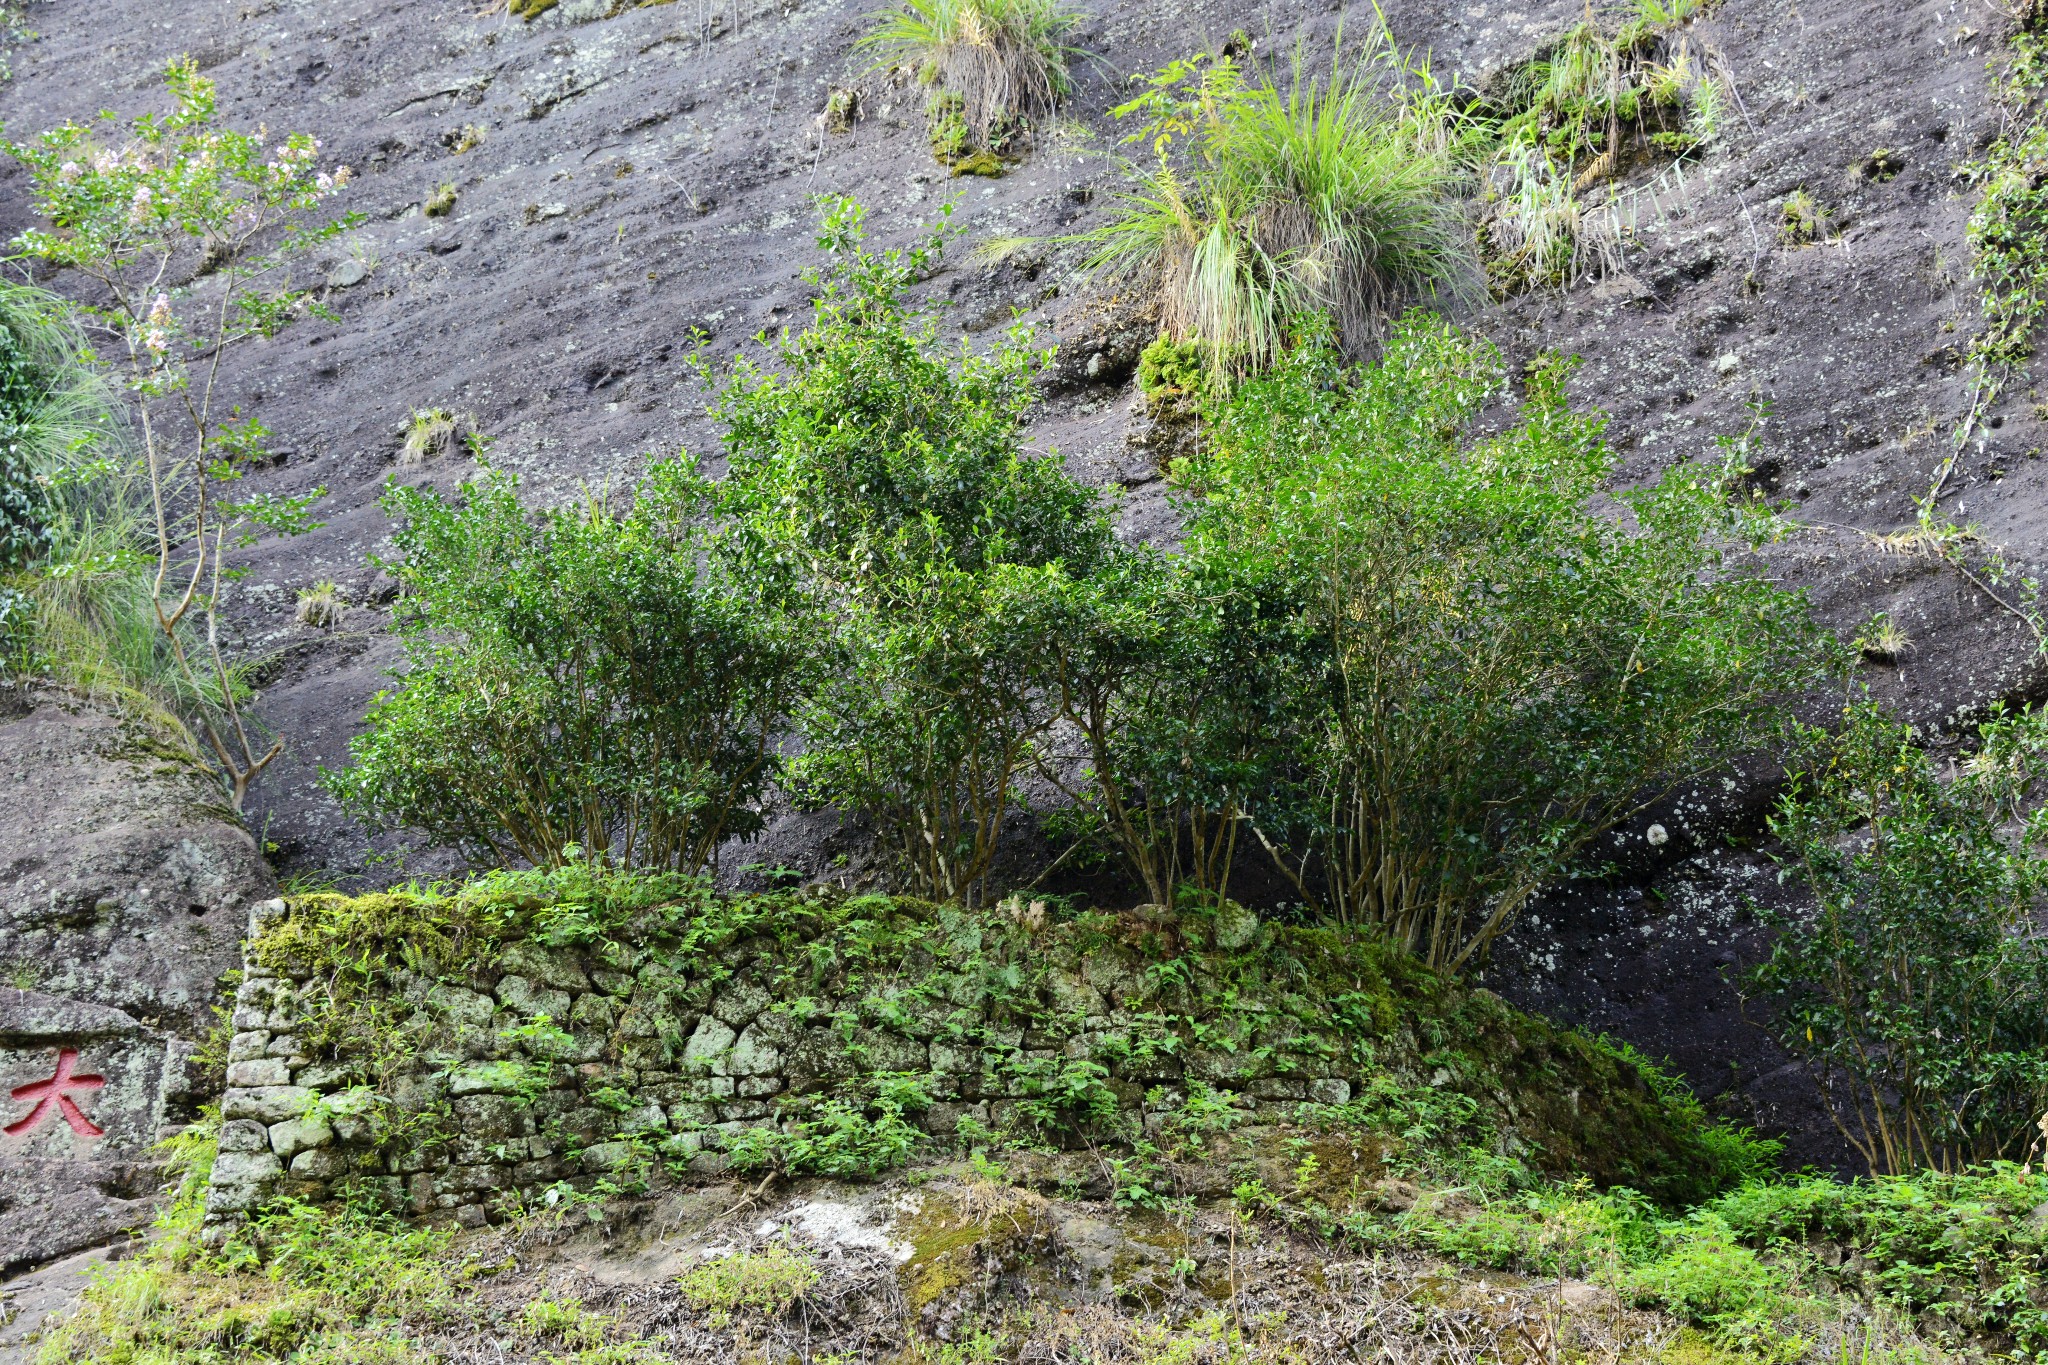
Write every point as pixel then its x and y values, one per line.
pixel 1922 1268
pixel 303 1284
pixel 1437 1067
pixel 1935 1262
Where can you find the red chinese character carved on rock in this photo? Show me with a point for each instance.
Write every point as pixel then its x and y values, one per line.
pixel 54 1095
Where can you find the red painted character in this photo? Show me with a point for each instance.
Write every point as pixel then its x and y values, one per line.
pixel 54 1094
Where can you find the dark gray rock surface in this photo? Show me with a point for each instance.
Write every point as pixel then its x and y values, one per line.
pixel 82 1099
pixel 125 888
pixel 124 881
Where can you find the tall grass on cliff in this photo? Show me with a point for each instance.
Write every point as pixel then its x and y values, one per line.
pixel 74 569
pixel 1337 193
pixel 1004 58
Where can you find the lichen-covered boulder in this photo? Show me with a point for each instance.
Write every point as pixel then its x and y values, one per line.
pixel 124 880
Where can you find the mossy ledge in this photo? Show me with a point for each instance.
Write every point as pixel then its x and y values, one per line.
pixel 455 1054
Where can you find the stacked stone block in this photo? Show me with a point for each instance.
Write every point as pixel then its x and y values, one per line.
pixel 553 1065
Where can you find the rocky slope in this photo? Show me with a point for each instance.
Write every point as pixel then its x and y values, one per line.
pixel 630 175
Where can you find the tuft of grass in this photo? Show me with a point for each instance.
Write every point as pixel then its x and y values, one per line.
pixel 76 556
pixel 763 1284
pixel 1333 195
pixel 842 107
pixel 1005 59
pixel 1572 120
pixel 432 432
pixel 565 1321
pixel 440 203
pixel 1883 640
pixel 321 605
pixel 1802 219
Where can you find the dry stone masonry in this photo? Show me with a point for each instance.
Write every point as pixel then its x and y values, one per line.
pixel 464 1090
pixel 552 1066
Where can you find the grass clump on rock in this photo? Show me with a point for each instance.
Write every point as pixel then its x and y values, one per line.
pixel 992 65
pixel 1334 196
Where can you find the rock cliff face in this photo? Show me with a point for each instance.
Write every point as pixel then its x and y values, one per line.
pixel 124 891
pixel 124 880
pixel 625 176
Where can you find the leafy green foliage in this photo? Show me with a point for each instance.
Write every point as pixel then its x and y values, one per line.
pixel 838 1137
pixel 2007 230
pixel 1759 1267
pixel 1498 674
pixel 605 682
pixel 1167 367
pixel 1918 987
pixel 23 518
pixel 1959 1250
pixel 1169 678
pixel 883 472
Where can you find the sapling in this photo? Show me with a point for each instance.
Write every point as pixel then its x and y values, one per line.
pixel 187 231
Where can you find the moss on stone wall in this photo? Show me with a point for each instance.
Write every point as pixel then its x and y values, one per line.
pixel 460 1053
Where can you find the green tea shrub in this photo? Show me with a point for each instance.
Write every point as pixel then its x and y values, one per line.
pixel 884 469
pixel 591 681
pixel 1497 672
pixel 1917 985
pixel 1173 692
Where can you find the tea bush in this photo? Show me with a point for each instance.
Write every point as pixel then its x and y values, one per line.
pixel 886 472
pixel 1918 985
pixel 1494 674
pixel 587 679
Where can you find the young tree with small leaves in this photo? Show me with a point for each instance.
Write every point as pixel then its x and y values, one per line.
pixel 187 230
pixel 1915 984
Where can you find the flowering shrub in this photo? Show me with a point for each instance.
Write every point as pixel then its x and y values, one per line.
pixel 188 230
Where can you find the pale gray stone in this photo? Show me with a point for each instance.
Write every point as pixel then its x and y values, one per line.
pixel 293 1136
pixel 244 1135
pixel 267 1103
pixel 259 1071
pixel 708 1046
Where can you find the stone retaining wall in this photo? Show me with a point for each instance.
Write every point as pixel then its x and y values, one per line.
pixel 546 1065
